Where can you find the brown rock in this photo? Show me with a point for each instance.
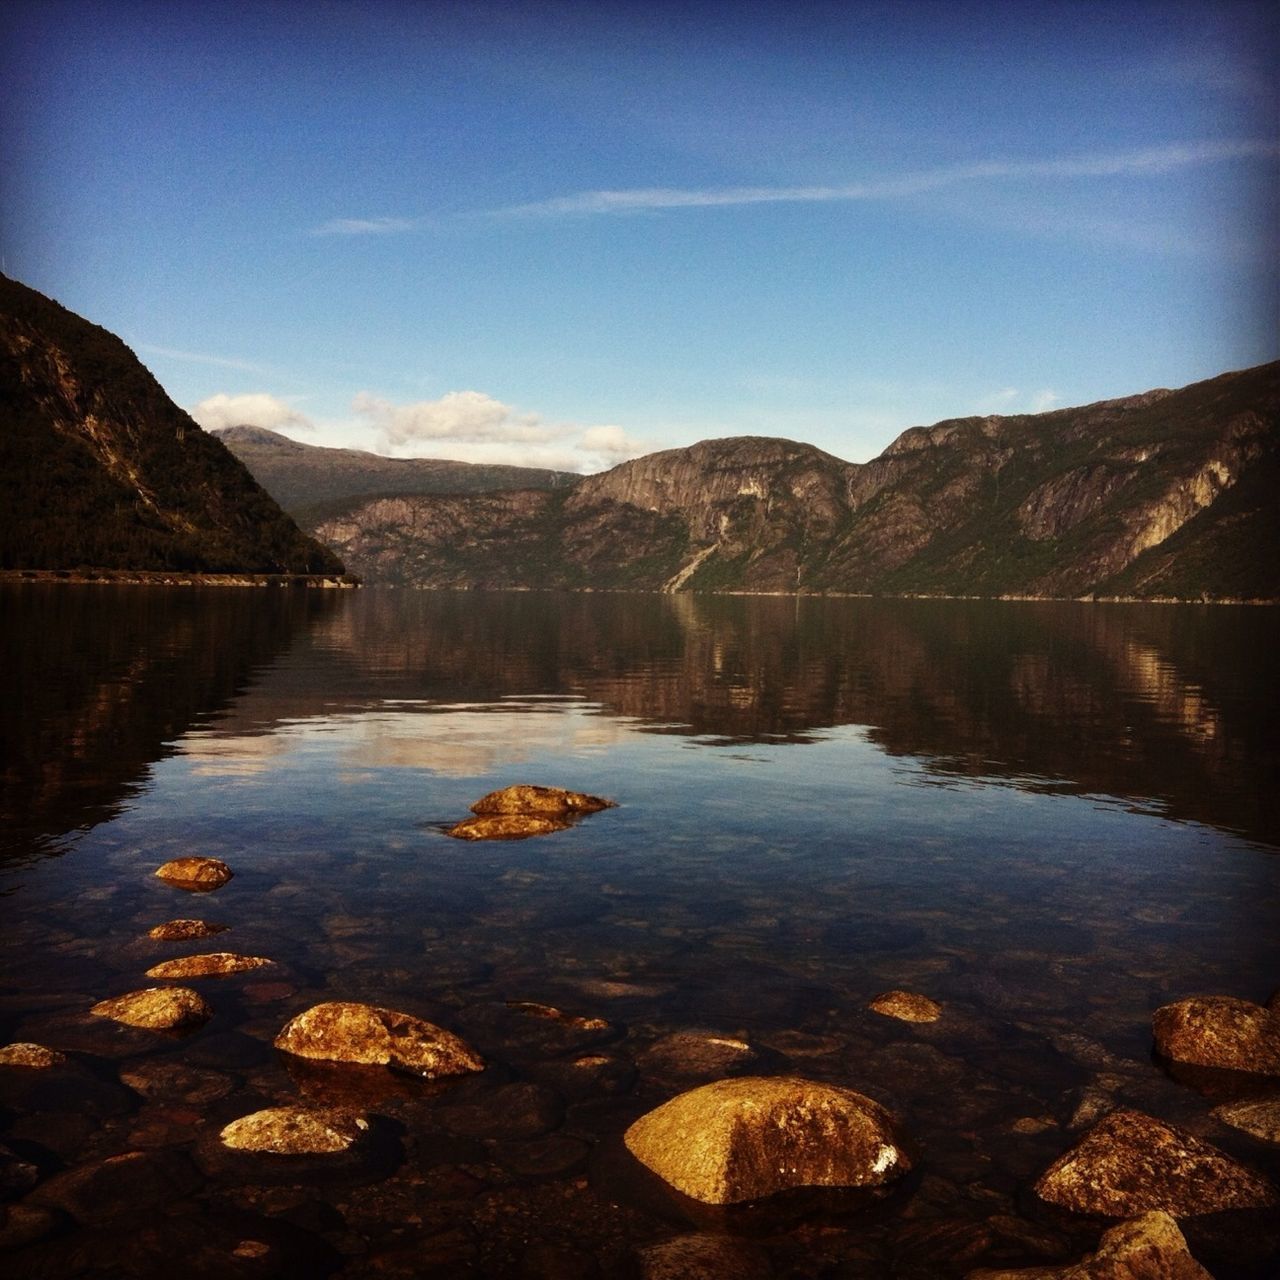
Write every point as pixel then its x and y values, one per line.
pixel 698 1055
pixel 743 1139
pixel 907 1006
pixel 1149 1247
pixel 214 964
pixel 156 1009
pixel 506 826
pixel 197 874
pixel 571 1020
pixel 120 1188
pixel 170 1081
pixel 1259 1117
pixel 1130 1163
pixel 30 1055
pixel 181 930
pixel 295 1131
pixel 545 800
pixel 343 1031
pixel 703 1256
pixel 24 1224
pixel 1220 1031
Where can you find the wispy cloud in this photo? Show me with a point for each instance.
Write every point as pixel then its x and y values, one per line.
pixel 364 226
pixel 1149 160
pixel 198 357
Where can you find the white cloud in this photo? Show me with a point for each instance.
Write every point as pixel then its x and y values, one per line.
pixel 363 227
pixel 1010 400
pixel 1043 401
pixel 471 426
pixel 199 357
pixel 255 409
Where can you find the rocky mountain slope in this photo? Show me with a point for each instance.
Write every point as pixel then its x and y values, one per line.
pixel 100 469
pixel 1168 493
pixel 302 476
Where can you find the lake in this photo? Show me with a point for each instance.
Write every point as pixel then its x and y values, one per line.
pixel 1050 817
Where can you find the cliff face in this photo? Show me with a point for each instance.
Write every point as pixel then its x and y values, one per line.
pixel 99 468
pixel 1162 494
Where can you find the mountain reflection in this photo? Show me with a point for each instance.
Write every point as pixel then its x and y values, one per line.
pixel 1170 707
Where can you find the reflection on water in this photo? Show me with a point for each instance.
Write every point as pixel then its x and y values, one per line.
pixel 1051 818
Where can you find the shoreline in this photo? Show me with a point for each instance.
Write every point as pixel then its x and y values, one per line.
pixel 175 578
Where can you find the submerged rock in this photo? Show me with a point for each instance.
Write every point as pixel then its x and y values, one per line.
pixel 698 1055
pixel 1149 1247
pixel 35 1056
pixel 156 1009
pixel 738 1140
pixel 506 826
pixel 344 1031
pixel 214 964
pixel 906 1006
pixel 703 1256
pixel 120 1188
pixel 181 930
pixel 526 799
pixel 1259 1117
pixel 1220 1031
pixel 1130 1163
pixel 199 874
pixel 295 1131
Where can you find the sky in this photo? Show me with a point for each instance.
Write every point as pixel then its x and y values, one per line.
pixel 567 234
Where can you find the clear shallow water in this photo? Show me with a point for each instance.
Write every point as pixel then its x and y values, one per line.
pixel 1052 818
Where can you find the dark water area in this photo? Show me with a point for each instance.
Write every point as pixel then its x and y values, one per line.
pixel 1052 818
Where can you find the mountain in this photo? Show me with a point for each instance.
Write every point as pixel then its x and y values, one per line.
pixel 100 469
pixel 1164 494
pixel 303 476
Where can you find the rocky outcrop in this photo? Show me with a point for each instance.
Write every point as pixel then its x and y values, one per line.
pixel 744 1139
pixel 1220 1031
pixel 156 1009
pixel 344 1031
pixel 214 964
pixel 906 1006
pixel 1149 1247
pixel 197 874
pixel 1130 1163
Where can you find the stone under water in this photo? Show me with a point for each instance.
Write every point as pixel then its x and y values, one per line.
pixel 295 1131
pixel 213 964
pixel 156 1009
pixel 195 873
pixel 506 826
pixel 1130 1163
pixel 182 930
pixel 345 1031
pixel 1258 1117
pixel 751 1137
pixel 1220 1031
pixel 906 1006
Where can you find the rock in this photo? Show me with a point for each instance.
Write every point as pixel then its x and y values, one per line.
pixel 30 1055
pixel 573 1021
pixel 1259 1117
pixel 698 1055
pixel 182 930
pixel 907 1006
pixel 343 1031
pixel 22 1224
pixel 743 1139
pixel 1130 1163
pixel 156 1009
pixel 177 1082
pixel 126 1186
pixel 213 964
pixel 544 800
pixel 520 1110
pixel 295 1131
pixel 1220 1031
pixel 1149 1247
pixel 506 826
pixel 16 1174
pixel 703 1256
pixel 196 874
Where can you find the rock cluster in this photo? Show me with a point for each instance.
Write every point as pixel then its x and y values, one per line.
pixel 520 811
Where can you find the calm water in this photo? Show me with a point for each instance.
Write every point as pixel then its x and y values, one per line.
pixel 1051 818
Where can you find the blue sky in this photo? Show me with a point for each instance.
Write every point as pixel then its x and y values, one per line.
pixel 564 234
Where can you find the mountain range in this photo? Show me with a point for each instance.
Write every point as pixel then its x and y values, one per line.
pixel 1167 494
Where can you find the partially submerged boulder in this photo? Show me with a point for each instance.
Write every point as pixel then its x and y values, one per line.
pixel 196 874
pixel 296 1131
pixel 1130 1163
pixel 156 1009
pixel 35 1056
pixel 526 799
pixel 182 930
pixel 1258 1117
pixel 906 1006
pixel 1149 1247
pixel 506 826
pixel 1220 1031
pixel 744 1139
pixel 212 964
pixel 344 1031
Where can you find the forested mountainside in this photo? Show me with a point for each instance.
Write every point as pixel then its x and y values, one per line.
pixel 302 476
pixel 100 469
pixel 1163 494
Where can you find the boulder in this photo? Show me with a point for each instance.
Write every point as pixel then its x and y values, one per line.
pixel 906 1006
pixel 198 874
pixel 182 930
pixel 1258 1117
pixel 344 1031
pixel 1220 1031
pixel 1130 1163
pixel 156 1009
pixel 506 826
pixel 545 800
pixel 35 1056
pixel 743 1139
pixel 1149 1247
pixel 213 964
pixel 295 1131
